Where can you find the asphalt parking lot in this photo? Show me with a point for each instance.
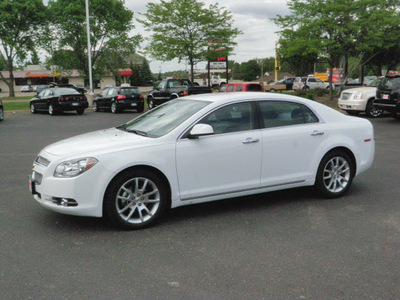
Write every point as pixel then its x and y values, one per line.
pixel 281 245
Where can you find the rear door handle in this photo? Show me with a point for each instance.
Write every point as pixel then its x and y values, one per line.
pixel 250 140
pixel 316 132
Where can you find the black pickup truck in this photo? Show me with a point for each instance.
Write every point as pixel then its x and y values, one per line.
pixel 388 95
pixel 173 88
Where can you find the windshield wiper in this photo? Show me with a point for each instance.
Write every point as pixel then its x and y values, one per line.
pixel 138 132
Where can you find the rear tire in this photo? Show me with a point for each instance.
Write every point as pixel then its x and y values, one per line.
pixel 1 114
pixel 80 111
pixel 396 115
pixel 51 110
pixel 335 174
pixel 114 108
pixel 136 199
pixel 95 108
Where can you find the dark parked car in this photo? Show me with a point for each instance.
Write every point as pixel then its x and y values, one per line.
pixel 1 111
pixel 169 89
pixel 57 100
pixel 387 95
pixel 118 99
pixel 40 88
pixel 66 85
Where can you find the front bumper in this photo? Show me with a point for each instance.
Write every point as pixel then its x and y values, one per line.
pixel 80 196
pixel 387 105
pixel 354 105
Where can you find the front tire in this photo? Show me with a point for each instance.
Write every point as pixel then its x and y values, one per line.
pixel 150 103
pixel 136 199
pixel 33 109
pixel 372 111
pixel 1 114
pixel 80 111
pixel 335 174
pixel 95 108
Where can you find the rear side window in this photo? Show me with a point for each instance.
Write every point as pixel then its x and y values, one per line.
pixel 284 113
pixel 254 88
pixel 230 88
pixel 239 88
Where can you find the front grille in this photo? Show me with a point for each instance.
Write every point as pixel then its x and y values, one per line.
pixel 345 96
pixel 42 161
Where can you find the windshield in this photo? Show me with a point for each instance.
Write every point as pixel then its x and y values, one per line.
pixel 391 83
pixel 164 118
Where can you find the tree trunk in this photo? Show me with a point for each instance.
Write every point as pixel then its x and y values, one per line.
pixel 10 83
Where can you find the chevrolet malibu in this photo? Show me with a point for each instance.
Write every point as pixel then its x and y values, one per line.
pixel 202 148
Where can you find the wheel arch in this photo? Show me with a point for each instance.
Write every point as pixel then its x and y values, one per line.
pixel 348 152
pixel 141 167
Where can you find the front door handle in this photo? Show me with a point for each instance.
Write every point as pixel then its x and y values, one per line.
pixel 250 140
pixel 316 132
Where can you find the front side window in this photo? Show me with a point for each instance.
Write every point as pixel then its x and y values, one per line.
pixel 283 113
pixel 239 88
pixel 231 118
pixel 230 88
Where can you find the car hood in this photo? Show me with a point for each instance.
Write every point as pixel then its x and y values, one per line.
pixel 360 89
pixel 101 141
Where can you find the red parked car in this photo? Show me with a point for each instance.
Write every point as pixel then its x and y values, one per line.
pixel 241 87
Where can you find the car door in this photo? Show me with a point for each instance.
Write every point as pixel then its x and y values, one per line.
pixel 292 140
pixel 101 101
pixel 312 83
pixel 227 161
pixel 320 83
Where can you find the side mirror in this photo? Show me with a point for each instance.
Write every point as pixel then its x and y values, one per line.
pixel 201 130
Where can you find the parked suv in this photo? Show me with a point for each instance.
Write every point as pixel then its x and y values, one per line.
pixel 1 111
pixel 241 87
pixel 361 99
pixel 387 94
pixel 309 83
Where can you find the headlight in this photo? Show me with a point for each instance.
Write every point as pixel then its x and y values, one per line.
pixel 358 96
pixel 74 167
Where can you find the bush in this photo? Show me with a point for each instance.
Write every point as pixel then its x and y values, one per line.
pixel 319 92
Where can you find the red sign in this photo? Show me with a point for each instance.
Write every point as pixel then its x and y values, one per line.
pixel 127 72
pixel 221 58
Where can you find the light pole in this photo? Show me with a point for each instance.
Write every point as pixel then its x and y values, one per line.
pixel 89 52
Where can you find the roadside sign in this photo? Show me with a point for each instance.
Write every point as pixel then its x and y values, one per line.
pixel 218 65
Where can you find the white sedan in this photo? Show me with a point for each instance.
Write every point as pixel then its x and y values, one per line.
pixel 202 148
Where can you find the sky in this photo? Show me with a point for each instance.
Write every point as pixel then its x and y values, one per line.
pixel 252 17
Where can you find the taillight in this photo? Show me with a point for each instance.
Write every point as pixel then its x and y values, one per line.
pixel 185 93
pixel 141 96
pixel 121 97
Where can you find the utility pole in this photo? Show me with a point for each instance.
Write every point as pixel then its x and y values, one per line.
pixel 89 53
pixel 276 61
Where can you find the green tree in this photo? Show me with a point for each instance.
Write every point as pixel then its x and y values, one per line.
pixel 110 23
pixel 249 70
pixel 21 25
pixel 330 30
pixel 145 72
pixel 183 29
